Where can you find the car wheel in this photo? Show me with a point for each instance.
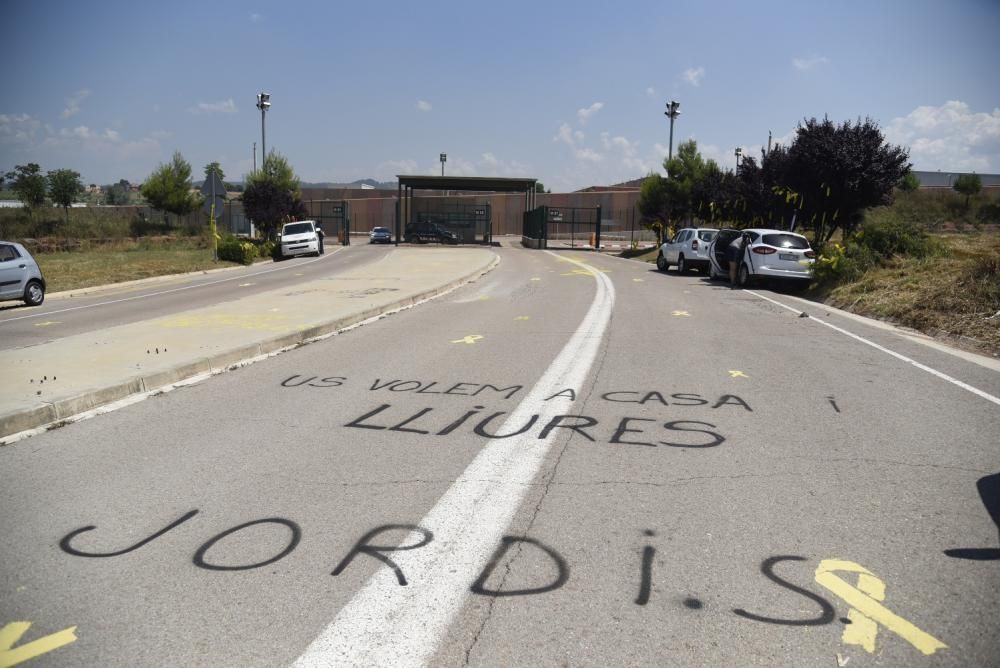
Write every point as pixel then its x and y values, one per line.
pixel 661 262
pixel 681 265
pixel 743 276
pixel 34 294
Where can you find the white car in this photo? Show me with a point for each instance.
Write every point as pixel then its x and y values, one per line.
pixel 688 250
pixel 299 238
pixel 20 277
pixel 768 254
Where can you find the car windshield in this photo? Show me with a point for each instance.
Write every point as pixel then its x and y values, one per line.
pixel 380 229
pixel 297 228
pixel 707 235
pixel 785 241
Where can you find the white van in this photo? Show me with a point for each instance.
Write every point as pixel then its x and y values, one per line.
pixel 299 238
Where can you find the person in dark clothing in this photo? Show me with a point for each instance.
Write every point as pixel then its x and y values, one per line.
pixel 735 253
pixel 319 233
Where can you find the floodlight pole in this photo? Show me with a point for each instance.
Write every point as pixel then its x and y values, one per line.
pixel 263 102
pixel 738 152
pixel 444 159
pixel 672 112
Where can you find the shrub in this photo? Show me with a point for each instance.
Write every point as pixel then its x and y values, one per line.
pixel 235 250
pixel 895 237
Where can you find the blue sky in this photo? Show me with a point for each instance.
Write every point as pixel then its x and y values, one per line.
pixel 571 93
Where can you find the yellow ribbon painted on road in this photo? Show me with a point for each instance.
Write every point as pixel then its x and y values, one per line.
pixel 867 611
pixel 11 633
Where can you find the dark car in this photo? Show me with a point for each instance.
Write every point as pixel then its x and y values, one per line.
pixel 380 235
pixel 421 233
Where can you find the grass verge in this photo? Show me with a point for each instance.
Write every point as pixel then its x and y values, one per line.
pixel 125 261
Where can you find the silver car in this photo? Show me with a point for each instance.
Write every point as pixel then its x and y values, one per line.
pixel 768 254
pixel 20 277
pixel 688 250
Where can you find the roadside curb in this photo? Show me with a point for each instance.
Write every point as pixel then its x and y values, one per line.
pixel 68 409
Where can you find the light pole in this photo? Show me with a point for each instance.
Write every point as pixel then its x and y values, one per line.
pixel 444 159
pixel 263 103
pixel 738 153
pixel 672 112
pixel 255 156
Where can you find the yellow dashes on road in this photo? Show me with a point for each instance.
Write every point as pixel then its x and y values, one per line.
pixel 867 611
pixel 472 338
pixel 522 317
pixel 585 272
pixel 681 314
pixel 638 280
pixel 245 285
pixel 11 633
pixel 536 279
pixel 733 373
pixel 48 323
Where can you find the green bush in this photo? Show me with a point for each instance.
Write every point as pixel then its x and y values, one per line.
pixel 891 238
pixel 235 250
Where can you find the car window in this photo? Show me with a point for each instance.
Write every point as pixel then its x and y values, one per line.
pixel 298 228
pixel 706 235
pixel 785 241
pixel 8 253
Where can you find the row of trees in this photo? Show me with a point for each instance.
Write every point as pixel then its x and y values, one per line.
pixel 62 186
pixel 823 181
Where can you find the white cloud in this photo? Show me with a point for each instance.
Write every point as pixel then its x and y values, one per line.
pixel 423 105
pixel 489 158
pixel 18 128
pixel 949 137
pixel 805 64
pixel 255 18
pixel 694 75
pixel 650 91
pixel 565 135
pixel 390 168
pixel 583 115
pixel 588 155
pixel 73 102
pixel 223 107
pixel 111 135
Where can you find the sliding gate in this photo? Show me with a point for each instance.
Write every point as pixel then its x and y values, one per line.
pixel 562 227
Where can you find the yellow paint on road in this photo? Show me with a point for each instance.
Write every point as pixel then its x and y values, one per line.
pixel 681 314
pixel 638 280
pixel 472 338
pixel 245 285
pixel 522 317
pixel 867 611
pixel 48 323
pixel 11 633
pixel 266 322
pixel 585 272
pixel 482 298
pixel 733 373
pixel 536 279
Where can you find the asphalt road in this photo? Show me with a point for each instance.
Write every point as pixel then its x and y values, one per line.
pixel 88 310
pixel 561 464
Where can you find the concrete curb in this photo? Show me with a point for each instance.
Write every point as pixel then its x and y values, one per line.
pixel 60 410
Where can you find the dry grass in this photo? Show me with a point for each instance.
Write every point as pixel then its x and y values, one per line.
pixel 954 296
pixel 124 261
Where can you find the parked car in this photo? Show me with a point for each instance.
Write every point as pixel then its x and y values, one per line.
pixel 380 235
pixel 20 277
pixel 770 254
pixel 687 250
pixel 299 238
pixel 421 233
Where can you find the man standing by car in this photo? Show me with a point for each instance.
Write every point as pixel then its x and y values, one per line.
pixel 320 235
pixel 737 249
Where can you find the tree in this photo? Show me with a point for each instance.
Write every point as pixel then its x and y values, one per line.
pixel 909 182
pixel 28 184
pixel 272 194
pixel 968 185
pixel 118 193
pixel 539 187
pixel 168 188
pixel 685 170
pixel 835 172
pixel 64 187
pixel 214 167
pixel 653 204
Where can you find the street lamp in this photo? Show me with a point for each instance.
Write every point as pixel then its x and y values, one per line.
pixel 672 112
pixel 444 159
pixel 738 153
pixel 263 103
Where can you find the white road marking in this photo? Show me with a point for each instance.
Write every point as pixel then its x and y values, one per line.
pixel 385 624
pixel 166 292
pixel 904 358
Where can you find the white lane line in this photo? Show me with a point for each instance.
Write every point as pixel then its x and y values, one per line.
pixel 165 292
pixel 922 367
pixel 386 624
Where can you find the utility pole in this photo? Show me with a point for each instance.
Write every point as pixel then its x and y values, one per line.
pixel 444 159
pixel 255 156
pixel 263 103
pixel 768 142
pixel 672 112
